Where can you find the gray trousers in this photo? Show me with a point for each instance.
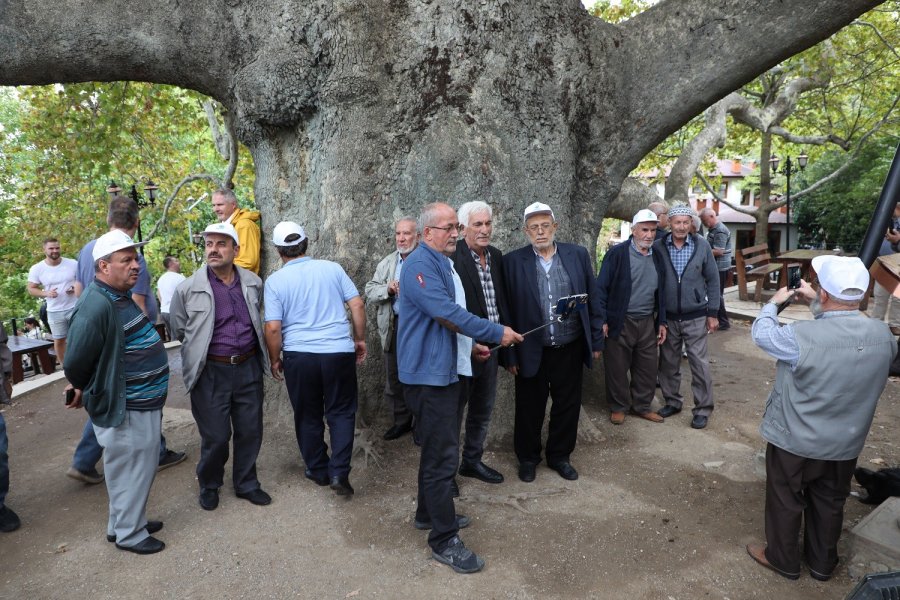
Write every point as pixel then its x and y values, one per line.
pixel 225 397
pixel 130 457
pixel 482 391
pixel 693 335
pixel 634 350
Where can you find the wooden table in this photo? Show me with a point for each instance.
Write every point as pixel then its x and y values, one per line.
pixel 39 351
pixel 799 257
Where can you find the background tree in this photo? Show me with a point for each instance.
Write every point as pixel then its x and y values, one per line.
pixel 62 144
pixel 356 112
pixel 841 94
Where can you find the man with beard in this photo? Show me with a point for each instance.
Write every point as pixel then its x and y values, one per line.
pixel 550 362
pixel 630 284
pixel 56 279
pixel 830 373
pixel 383 291
pixel 118 368
pixel 692 303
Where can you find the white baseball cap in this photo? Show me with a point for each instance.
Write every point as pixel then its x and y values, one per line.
pixel 837 274
pixel 223 228
pixel 113 241
pixel 644 215
pixel 538 208
pixel 285 229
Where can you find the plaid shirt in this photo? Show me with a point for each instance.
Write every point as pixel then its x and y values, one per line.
pixel 487 285
pixel 680 257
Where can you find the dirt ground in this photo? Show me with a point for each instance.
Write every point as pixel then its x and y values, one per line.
pixel 660 512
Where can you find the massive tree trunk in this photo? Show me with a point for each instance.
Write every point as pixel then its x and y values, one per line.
pixel 359 111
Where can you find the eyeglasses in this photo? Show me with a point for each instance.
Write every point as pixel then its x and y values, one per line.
pixel 539 227
pixel 447 228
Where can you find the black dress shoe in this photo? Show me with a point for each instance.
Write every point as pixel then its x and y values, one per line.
pixel 527 471
pixel 699 421
pixel 322 480
pixel 148 545
pixel 152 527
pixel 454 488
pixel 209 498
pixel 257 497
pixel 397 430
pixel 667 411
pixel 341 486
pixel 480 471
pixel 565 470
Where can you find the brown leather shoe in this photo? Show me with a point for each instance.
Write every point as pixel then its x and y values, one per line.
pixel 617 418
pixel 757 552
pixel 651 416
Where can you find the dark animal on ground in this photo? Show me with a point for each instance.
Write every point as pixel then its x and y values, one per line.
pixel 879 485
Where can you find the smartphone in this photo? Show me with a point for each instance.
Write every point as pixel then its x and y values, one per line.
pixel 70 396
pixel 794 277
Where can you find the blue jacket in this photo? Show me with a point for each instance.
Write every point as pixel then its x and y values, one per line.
pixel 614 287
pixel 426 345
pixel 525 306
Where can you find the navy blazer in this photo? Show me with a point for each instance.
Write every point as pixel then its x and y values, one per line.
pixel 525 307
pixel 471 281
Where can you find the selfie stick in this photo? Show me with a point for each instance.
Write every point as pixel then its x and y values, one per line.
pixel 565 307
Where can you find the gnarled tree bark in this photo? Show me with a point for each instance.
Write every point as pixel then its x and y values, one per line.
pixel 359 111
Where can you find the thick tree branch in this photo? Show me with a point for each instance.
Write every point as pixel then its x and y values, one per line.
pixel 685 37
pixel 633 196
pixel 736 207
pixel 813 140
pixel 166 41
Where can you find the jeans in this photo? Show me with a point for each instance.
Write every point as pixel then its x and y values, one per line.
pixel 88 451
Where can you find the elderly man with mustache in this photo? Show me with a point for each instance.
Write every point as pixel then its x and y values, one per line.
pixel 215 313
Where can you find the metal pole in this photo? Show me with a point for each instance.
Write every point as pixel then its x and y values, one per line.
pixel 890 195
pixel 787 237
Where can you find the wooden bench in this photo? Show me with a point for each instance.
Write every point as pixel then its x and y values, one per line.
pixel 20 345
pixel 755 264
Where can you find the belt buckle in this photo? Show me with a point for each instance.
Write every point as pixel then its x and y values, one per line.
pixel 234 359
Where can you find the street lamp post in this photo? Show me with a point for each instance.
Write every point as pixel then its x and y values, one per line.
pixel 150 189
pixel 787 170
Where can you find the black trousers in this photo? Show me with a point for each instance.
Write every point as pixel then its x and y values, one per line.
pixel 559 377
pixel 226 397
pixel 805 489
pixel 322 387
pixel 438 412
pixel 723 314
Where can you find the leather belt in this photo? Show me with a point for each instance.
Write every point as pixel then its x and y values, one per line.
pixel 234 359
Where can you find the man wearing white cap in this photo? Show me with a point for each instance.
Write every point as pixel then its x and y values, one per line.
pixel 549 362
pixel 309 339
pixel 215 314
pixel 630 285
pixel 831 372
pixel 691 289
pixel 118 368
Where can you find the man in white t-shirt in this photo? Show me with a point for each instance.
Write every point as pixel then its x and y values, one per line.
pixel 55 279
pixel 165 289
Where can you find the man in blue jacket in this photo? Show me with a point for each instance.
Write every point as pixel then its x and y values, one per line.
pixel 551 361
pixel 434 322
pixel 629 285
pixel 691 290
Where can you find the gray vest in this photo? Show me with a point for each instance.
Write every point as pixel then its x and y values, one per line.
pixel 824 407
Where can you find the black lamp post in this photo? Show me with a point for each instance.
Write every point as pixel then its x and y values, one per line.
pixel 787 170
pixel 150 189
